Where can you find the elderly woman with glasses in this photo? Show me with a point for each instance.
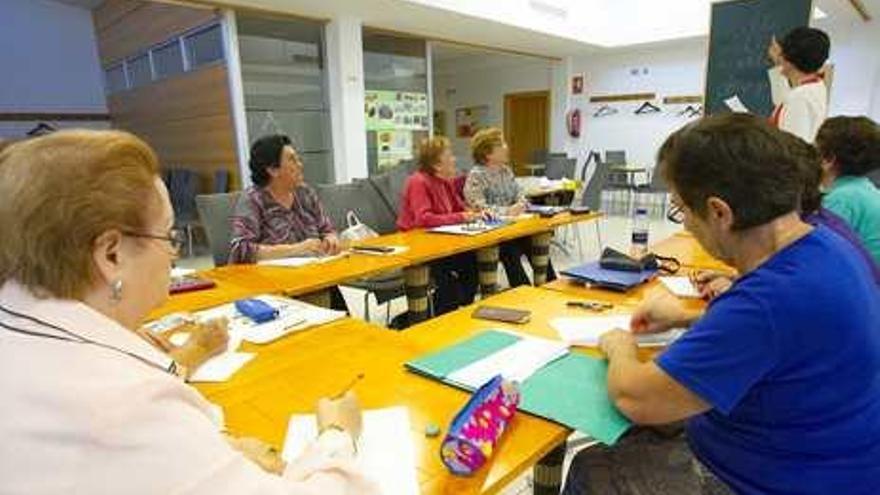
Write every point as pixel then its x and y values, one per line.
pixel 90 404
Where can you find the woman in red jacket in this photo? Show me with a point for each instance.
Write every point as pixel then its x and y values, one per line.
pixel 431 198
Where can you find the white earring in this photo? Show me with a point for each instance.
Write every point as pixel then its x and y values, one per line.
pixel 116 291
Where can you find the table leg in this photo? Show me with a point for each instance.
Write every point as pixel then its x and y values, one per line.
pixel 548 472
pixel 318 298
pixel 540 256
pixel 416 279
pixel 487 265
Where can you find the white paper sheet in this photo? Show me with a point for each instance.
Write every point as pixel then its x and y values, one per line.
pixel 181 272
pixel 298 261
pixel 681 287
pixel 516 362
pixel 469 229
pixel 221 368
pixel 585 331
pixel 385 449
pixel 736 105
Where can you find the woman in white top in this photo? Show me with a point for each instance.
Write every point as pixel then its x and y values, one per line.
pixel 796 82
pixel 89 405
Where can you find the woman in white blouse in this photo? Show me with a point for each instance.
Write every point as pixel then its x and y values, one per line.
pixel 89 405
pixel 797 82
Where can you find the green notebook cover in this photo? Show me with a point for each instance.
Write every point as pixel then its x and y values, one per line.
pixel 571 390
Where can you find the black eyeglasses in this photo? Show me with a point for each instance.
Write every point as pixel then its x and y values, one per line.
pixel 175 237
pixel 675 213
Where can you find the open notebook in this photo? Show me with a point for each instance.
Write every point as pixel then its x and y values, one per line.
pixel 473 228
pixel 385 449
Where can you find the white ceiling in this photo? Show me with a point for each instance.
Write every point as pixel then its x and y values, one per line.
pixel 550 28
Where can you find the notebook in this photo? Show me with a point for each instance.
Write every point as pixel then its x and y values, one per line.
pixel 569 388
pixel 473 228
pixel 616 280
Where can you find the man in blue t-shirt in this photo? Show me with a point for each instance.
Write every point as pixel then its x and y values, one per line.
pixel 779 379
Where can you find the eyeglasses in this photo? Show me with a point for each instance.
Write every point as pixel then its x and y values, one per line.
pixel 675 214
pixel 175 237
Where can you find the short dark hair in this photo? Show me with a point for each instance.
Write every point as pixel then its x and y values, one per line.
pixel 806 48
pixel 810 165
pixel 737 157
pixel 853 143
pixel 266 154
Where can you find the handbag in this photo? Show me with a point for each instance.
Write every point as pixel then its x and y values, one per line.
pixel 356 230
pixel 613 259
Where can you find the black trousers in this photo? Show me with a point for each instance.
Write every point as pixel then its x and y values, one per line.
pixel 510 254
pixel 456 281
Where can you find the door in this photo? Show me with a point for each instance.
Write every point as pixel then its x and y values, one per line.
pixel 526 127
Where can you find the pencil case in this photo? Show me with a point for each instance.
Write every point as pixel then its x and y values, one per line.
pixel 477 428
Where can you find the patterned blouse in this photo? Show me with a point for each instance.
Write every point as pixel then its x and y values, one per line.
pixel 259 219
pixel 493 188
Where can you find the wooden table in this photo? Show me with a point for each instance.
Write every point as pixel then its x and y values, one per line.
pixel 311 281
pixel 684 247
pixel 289 375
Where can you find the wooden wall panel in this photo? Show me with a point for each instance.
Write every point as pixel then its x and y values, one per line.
pixel 187 119
pixel 125 27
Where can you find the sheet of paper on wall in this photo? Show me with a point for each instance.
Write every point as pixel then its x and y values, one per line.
pixel 586 331
pixel 385 449
pixel 516 362
pixel 736 105
pixel 681 287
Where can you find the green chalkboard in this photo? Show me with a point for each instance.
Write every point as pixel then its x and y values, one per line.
pixel 741 31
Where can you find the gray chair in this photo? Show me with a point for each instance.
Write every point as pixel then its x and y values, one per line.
pixel 875 177
pixel 364 200
pixel 215 210
pixel 656 188
pixel 390 185
pixel 591 195
pixel 559 166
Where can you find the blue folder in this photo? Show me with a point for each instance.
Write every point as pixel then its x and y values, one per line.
pixel 616 280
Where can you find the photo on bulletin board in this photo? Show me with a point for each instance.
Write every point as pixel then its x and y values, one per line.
pixel 385 110
pixel 577 84
pixel 468 120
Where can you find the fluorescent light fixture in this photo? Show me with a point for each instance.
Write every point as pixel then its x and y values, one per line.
pixel 819 13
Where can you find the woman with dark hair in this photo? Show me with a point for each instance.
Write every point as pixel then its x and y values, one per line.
pixel 799 91
pixel 850 149
pixel 280 215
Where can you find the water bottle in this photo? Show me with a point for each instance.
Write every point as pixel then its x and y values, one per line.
pixel 640 226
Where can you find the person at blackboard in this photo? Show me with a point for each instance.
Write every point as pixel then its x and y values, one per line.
pixel 796 81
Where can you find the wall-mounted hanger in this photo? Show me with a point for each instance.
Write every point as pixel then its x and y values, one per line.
pixel 692 111
pixel 647 107
pixel 605 111
pixel 41 129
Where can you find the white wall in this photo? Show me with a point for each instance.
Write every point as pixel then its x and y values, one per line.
pixel 670 69
pixel 480 84
pixel 50 62
pixel 855 53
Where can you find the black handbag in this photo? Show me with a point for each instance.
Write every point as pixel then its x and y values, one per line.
pixel 613 259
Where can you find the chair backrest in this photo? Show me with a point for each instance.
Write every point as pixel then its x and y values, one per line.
pixel 559 166
pixel 215 210
pixel 657 182
pixel 615 157
pixel 538 156
pixel 221 181
pixel 390 184
pixel 592 194
pixel 183 185
pixel 360 197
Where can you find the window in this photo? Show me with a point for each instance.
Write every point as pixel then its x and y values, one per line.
pixel 139 71
pixel 205 46
pixel 114 79
pixel 168 59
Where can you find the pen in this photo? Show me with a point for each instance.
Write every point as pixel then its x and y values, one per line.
pixel 590 305
pixel 348 387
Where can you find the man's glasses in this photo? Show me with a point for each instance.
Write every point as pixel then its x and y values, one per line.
pixel 176 238
pixel 675 213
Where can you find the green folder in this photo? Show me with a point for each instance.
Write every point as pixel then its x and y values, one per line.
pixel 571 390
